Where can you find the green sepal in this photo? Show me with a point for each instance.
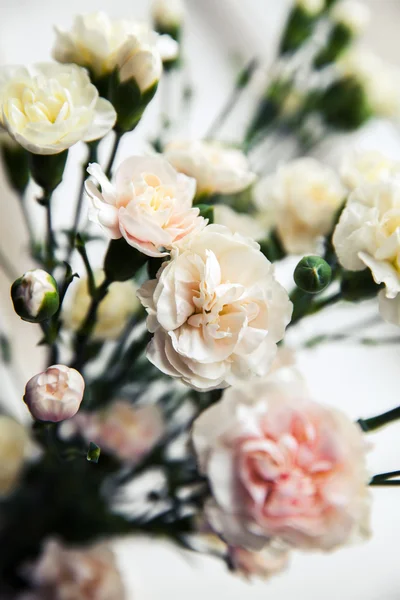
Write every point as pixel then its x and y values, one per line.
pixel 128 101
pixel 48 169
pixel 122 261
pixel 16 166
pixel 207 212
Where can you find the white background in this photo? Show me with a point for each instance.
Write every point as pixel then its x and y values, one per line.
pixel 363 381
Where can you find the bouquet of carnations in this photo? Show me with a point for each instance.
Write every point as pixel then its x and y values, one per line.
pixel 170 404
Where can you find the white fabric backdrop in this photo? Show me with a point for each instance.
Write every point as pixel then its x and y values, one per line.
pixel 363 381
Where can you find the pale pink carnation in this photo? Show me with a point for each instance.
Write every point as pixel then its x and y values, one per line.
pixel 128 432
pixel 63 573
pixel 149 204
pixel 273 559
pixel 282 466
pixel 56 394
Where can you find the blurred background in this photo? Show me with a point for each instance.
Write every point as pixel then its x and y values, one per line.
pixel 220 35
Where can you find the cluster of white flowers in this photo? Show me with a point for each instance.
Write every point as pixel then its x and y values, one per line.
pixel 367 235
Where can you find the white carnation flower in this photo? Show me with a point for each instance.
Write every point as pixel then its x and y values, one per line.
pixel 368 235
pixel 217 169
pixel 216 310
pixel 51 107
pixel 102 45
pixel 355 16
pixel 363 167
pixel 381 80
pixel 304 196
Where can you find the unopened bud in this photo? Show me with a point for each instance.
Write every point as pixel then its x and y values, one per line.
pixel 35 296
pixel 55 395
pixel 312 274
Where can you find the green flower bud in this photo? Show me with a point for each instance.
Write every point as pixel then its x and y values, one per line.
pixel 344 104
pixel 300 25
pixel 312 274
pixel 35 296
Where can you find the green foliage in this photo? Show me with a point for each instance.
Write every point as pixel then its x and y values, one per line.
pixel 122 261
pixel 16 166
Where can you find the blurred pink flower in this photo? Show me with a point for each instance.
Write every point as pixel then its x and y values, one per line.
pixel 128 432
pixel 63 573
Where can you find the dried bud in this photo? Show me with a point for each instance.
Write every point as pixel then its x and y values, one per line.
pixel 312 274
pixel 35 296
pixel 55 395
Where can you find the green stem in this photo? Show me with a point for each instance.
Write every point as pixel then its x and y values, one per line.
pixel 374 423
pixel 117 139
pixel 81 194
pixel 7 267
pixel 305 305
pixel 80 246
pixel 386 479
pixel 86 329
pixel 51 241
pixel 232 100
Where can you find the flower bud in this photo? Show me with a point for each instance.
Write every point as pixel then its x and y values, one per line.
pixel 35 296
pixel 300 24
pixel 168 17
pixel 345 104
pixel 351 15
pixel 55 395
pixel 312 274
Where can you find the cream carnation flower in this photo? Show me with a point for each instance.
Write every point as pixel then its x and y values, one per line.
pixel 305 195
pixel 216 311
pixel 368 235
pixel 381 80
pixel 102 45
pixel 282 466
pixel 312 7
pixel 68 573
pixel 150 204
pixel 167 14
pixel 242 223
pixel 353 15
pixel 14 448
pixel 363 167
pixel 217 169
pixel 114 311
pixel 52 107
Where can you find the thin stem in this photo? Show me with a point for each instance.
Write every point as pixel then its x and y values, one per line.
pixel 91 279
pixel 385 476
pixel 28 223
pixel 51 241
pixel 7 267
pixel 308 306
pixel 86 329
pixel 117 139
pixel 232 100
pixel 373 423
pixel 81 194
